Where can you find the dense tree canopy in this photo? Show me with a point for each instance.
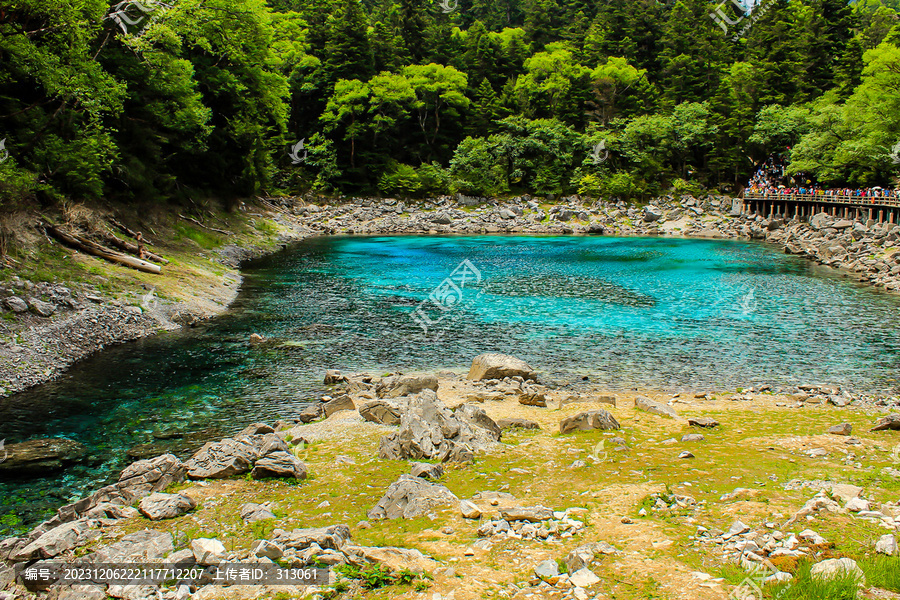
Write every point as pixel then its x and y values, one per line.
pixel 145 100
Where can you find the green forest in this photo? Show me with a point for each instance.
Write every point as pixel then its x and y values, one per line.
pixel 146 100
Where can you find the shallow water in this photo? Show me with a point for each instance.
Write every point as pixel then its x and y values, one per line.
pixel 627 312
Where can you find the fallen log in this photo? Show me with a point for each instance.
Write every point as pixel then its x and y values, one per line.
pixel 137 235
pixel 94 249
pixel 140 251
pixel 196 222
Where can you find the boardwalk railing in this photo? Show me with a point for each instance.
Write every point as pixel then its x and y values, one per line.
pixel 891 201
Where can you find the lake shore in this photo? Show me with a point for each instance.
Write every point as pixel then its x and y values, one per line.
pixel 81 321
pixel 518 490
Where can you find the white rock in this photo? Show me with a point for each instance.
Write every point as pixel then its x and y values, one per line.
pixel 844 493
pixel 583 578
pixel 738 528
pixel 469 510
pixel 811 536
pixel 834 567
pixel 887 544
pixel 208 551
pixel 779 577
pixel 857 504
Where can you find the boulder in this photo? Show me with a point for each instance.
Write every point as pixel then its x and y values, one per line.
pixel 887 544
pixel 654 408
pixel 891 421
pixel 310 413
pixel 469 510
pixel 478 418
pixel 333 537
pixel 498 366
pixel 586 421
pixel 257 429
pixel 837 567
pixel 395 559
pixel 429 430
pixel 583 578
pixel 41 308
pixel 56 541
pixel 142 546
pixel 381 411
pixel 426 470
pixel 16 304
pixel 516 423
pixel 844 492
pixel 405 385
pixel 279 464
pixel 208 551
pixel 708 422
pixel 342 402
pixel 582 556
pixel 230 457
pixel 533 514
pixel 528 399
pixel 411 497
pixel 37 457
pixel 652 213
pixel 333 376
pixel 547 570
pixel 158 506
pixel 267 549
pixel 842 429
pixel 251 512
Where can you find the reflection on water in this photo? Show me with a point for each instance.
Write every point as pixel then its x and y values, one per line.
pixel 663 313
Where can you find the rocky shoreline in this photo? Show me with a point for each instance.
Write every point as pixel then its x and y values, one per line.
pixel 65 324
pixel 426 428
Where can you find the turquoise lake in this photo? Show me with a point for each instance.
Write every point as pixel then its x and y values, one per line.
pixel 659 313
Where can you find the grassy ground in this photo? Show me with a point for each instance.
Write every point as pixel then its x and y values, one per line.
pixel 759 446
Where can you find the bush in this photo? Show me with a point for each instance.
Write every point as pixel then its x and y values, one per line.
pixel 400 180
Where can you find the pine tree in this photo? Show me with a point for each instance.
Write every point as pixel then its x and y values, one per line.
pixel 349 55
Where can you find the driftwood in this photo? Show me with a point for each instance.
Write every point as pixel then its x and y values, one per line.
pixel 139 251
pixel 85 245
pixel 137 235
pixel 196 222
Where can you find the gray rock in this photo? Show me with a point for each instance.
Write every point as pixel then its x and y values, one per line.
pixel 586 421
pixel 654 408
pixel 158 506
pixel 342 402
pixel 82 592
pixel 208 551
pixel 498 366
pixel 891 421
pixel 477 418
pixel 469 510
pixel 381 411
pixel 39 307
pixel 334 537
pixel 411 497
pixel 692 437
pixel 533 514
pixel 142 546
pixel 251 512
pixel 16 304
pixel 652 213
pixel 279 464
pixel 429 430
pixel 842 429
pixel 426 470
pixel 517 423
pixel 547 569
pixel 529 399
pixel 405 385
pixel 257 429
pixel 707 422
pixel 333 376
pixel 837 567
pixel 267 549
pixel 686 454
pixel 56 541
pixel 230 457
pixel 310 413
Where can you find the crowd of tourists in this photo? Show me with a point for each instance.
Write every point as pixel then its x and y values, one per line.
pixel 770 179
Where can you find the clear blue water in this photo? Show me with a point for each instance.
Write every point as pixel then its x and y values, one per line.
pixel 625 312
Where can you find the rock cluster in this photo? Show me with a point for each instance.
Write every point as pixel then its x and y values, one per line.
pixel 531 523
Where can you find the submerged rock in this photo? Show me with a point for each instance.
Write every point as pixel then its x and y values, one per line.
pixel 35 458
